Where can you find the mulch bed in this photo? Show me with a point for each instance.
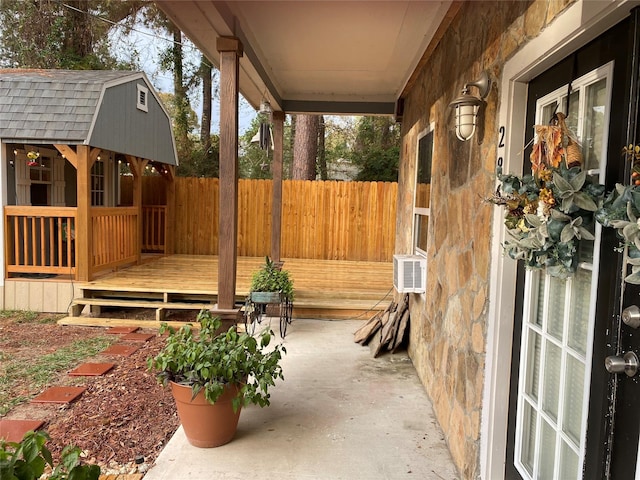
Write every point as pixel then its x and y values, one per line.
pixel 122 417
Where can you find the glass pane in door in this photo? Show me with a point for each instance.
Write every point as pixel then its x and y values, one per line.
pixel 547 451
pixel 579 317
pixel 555 306
pixel 553 358
pixel 593 138
pixel 568 462
pixel 573 399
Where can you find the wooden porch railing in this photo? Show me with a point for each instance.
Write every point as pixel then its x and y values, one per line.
pixel 40 240
pixel 115 237
pixel 153 228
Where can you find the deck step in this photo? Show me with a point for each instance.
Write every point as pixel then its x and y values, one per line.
pixel 140 293
pixel 161 307
pixel 83 321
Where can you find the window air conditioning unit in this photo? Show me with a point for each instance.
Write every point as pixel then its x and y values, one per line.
pixel 409 273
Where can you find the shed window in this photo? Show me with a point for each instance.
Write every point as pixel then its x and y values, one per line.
pixel 143 94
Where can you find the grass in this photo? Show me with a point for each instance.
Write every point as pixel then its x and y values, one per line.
pixel 27 316
pixel 18 376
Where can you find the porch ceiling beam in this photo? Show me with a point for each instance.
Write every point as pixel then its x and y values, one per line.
pixel 346 108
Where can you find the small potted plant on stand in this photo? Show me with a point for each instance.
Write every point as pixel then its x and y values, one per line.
pixel 213 375
pixel 271 283
pixel 270 287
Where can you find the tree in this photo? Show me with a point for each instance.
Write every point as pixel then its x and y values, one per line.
pixel 69 35
pixel 201 162
pixel 197 158
pixel 206 72
pixel 322 151
pixel 377 149
pixel 186 77
pixel 180 100
pixel 305 147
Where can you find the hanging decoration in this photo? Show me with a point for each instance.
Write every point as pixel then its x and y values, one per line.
pixel 265 135
pixel 550 210
pixel 32 158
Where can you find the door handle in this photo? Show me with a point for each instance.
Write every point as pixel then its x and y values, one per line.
pixel 627 364
pixel 631 316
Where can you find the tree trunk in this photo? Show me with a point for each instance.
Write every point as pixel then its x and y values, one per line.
pixel 205 128
pixel 79 41
pixel 182 122
pixel 322 154
pixel 305 147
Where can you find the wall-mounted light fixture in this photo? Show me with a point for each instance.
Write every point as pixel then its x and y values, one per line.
pixel 467 106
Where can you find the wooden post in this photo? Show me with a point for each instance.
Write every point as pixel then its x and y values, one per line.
pixel 230 49
pixel 276 204
pixel 137 166
pixel 84 231
pixel 169 174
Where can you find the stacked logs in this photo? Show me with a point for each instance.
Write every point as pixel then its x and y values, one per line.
pixel 386 331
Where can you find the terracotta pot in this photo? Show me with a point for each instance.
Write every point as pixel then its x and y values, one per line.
pixel 206 425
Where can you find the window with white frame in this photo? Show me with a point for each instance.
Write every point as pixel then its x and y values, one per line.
pixel 423 191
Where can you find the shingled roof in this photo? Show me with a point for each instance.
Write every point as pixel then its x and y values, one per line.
pixel 63 106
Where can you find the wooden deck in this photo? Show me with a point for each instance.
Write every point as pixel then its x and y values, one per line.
pixel 323 288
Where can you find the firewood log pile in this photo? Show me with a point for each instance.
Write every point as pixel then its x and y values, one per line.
pixel 386 331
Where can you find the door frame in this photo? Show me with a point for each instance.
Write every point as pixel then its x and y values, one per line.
pixel 579 24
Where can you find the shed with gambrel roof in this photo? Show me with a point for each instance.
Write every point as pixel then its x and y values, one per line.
pixel 63 137
pixel 117 111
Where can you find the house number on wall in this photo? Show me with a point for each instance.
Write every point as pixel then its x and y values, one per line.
pixel 501 132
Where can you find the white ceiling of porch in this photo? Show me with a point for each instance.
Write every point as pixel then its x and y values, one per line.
pixel 352 57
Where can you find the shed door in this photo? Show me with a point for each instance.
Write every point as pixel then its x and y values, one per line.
pixel 561 423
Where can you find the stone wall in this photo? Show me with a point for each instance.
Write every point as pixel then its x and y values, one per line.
pixel 449 323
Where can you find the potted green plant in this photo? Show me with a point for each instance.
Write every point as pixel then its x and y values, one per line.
pixel 270 283
pixel 212 375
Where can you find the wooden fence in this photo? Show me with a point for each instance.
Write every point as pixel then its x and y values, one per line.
pixel 320 219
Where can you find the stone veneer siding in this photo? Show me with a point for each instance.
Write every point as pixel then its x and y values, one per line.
pixel 448 329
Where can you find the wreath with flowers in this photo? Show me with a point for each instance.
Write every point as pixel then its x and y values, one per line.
pixel 550 210
pixel 620 210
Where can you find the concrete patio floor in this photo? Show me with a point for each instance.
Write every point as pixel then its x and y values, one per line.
pixel 339 414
